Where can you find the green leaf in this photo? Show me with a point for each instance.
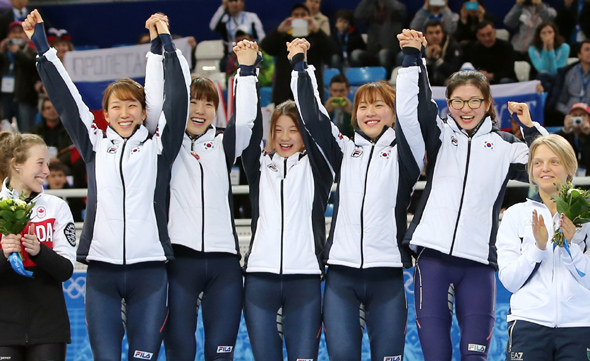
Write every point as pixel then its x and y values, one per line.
pixel 562 206
pixel 19 214
pixel 7 215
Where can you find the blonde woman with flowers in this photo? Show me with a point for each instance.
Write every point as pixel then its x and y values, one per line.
pixel 549 315
pixel 34 323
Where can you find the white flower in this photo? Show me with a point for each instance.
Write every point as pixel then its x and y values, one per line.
pixel 20 203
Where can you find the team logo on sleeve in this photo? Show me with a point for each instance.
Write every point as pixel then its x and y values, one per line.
pixel 208 145
pixel 272 167
pixel 112 150
pixel 454 141
pixel 488 145
pixel 357 152
pixel 385 154
pixel 70 234
pixel 224 349
pixel 41 212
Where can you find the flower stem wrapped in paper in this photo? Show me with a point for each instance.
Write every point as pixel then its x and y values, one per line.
pixel 575 204
pixel 15 214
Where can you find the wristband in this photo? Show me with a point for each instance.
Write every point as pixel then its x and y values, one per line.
pixel 40 39
pixel 156 45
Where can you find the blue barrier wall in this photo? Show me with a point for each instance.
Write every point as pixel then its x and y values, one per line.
pixel 79 350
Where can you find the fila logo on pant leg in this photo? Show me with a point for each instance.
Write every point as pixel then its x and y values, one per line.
pixel 224 349
pixel 393 358
pixel 304 359
pixel 143 355
pixel 476 347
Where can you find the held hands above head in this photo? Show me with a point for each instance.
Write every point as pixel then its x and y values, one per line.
pixel 522 112
pixel 411 38
pixel 297 46
pixel 151 22
pixel 247 52
pixel 29 24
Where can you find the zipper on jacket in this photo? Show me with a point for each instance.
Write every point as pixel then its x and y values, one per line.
pixel 202 198
pixel 124 198
pixel 363 206
pixel 462 194
pixel 283 212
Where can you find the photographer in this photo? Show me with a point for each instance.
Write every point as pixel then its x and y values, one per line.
pixel 339 106
pixel 576 129
pixel 19 75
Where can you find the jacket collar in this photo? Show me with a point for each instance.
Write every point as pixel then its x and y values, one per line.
pixel 484 127
pixel 13 194
pixel 386 137
pixel 139 135
pixel 208 136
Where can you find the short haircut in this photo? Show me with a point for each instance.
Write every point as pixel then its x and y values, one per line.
pixel 340 78
pixel 369 93
pixel 56 166
pixel 204 88
pixel 561 147
pixel 345 14
pixel 300 6
pixel 433 23
pixel 124 89
pixel 483 24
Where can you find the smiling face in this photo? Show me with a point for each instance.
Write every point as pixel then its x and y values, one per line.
pixel 548 170
pixel 466 117
pixel 202 114
pixel 31 174
pixel 124 115
pixel 286 137
pixel 373 108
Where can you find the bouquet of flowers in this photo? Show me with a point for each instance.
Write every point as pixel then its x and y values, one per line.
pixel 15 214
pixel 575 204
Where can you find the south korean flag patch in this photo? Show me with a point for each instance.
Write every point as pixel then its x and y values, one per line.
pixel 70 234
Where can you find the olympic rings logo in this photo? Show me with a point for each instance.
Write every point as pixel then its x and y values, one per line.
pixel 75 287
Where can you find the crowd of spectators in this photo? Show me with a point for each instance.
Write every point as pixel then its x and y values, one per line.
pixel 554 40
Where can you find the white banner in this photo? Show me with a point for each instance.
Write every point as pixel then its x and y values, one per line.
pixel 114 63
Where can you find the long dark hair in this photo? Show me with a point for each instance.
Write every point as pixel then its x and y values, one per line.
pixel 557 39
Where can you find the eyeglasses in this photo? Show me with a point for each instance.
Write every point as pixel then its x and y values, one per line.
pixel 458 104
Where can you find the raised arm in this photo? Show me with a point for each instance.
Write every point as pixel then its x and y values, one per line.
pixel 154 76
pixel 414 103
pixel 520 152
pixel 75 115
pixel 313 116
pixel 239 129
pixel 174 115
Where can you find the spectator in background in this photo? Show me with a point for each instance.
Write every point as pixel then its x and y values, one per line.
pixel 430 12
pixel 493 57
pixel 571 85
pixel 242 33
pixel 573 20
pixel 18 12
pixel 57 179
pixel 384 20
pixel 19 75
pixel 52 130
pixel 472 13
pixel 346 40
pixel 321 19
pixel 229 16
pixel 339 106
pixel 61 41
pixel 548 52
pixel 576 129
pixel 443 54
pixel 274 44
pixel 524 17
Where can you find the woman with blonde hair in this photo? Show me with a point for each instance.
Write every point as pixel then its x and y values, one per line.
pixel 549 317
